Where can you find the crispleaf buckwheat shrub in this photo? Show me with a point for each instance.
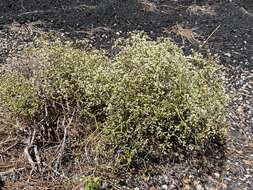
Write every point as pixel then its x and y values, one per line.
pixel 149 99
pixel 162 100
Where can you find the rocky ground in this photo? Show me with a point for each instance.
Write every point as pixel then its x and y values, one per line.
pixel 223 27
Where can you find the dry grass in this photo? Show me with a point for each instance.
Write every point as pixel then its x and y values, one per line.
pixel 185 33
pixel 196 10
pixel 148 6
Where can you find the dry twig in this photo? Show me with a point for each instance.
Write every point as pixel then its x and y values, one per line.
pixel 61 151
pixel 30 141
pixel 210 35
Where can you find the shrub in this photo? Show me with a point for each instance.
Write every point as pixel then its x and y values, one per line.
pixel 72 77
pixel 92 183
pixel 150 98
pixel 163 100
pixel 53 83
pixel 18 96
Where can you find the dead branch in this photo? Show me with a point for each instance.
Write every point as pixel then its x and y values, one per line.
pixel 7 140
pixel 210 35
pixel 55 171
pixel 26 150
pixel 246 12
pixel 38 160
pixel 12 170
pixel 61 151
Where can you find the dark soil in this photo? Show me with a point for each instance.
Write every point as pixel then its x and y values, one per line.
pixel 223 27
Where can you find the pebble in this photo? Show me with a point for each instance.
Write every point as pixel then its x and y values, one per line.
pixel 166 179
pixel 199 187
pixel 247 176
pixel 227 54
pixel 165 187
pixel 216 175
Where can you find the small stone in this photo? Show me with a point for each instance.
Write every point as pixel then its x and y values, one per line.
pixel 195 183
pixel 104 185
pixel 165 187
pixel 136 188
pixel 216 175
pixel 199 187
pixel 227 54
pixel 247 176
pixel 166 179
